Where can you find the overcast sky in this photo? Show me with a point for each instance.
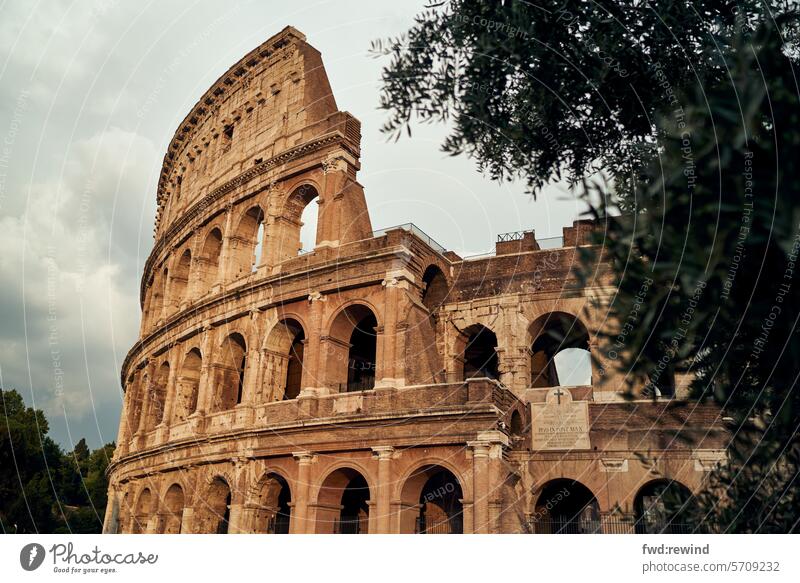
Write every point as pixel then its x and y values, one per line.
pixel 92 92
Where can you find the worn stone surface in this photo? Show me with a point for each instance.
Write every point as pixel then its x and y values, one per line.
pixel 377 383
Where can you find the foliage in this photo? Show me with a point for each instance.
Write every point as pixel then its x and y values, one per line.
pixel 690 111
pixel 43 489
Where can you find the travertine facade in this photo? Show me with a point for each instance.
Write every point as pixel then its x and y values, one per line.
pixel 376 383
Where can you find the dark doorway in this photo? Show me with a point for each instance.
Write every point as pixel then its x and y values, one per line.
pixel 361 359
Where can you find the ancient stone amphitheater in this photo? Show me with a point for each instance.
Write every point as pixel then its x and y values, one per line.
pixel 374 382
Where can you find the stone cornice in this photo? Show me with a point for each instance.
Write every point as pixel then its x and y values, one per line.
pixel 230 80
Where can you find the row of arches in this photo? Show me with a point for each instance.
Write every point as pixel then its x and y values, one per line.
pixel 431 503
pixel 567 506
pixel 229 378
pixel 226 251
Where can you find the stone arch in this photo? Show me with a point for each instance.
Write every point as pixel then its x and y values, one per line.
pixel 273 502
pixel 435 288
pixel 343 501
pixel 284 349
pixel 188 385
pixel 172 512
pixel 432 501
pixel 289 224
pixel 352 348
pixel 157 397
pixel 209 260
pixel 565 506
pixel 230 370
pixel 244 242
pixel 214 511
pixel 135 404
pixel 143 511
pixel 179 284
pixel 559 347
pixel 477 346
pixel 516 425
pixel 157 297
pixel 660 507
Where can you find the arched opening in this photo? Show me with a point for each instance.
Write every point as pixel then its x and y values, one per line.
pixel 230 373
pixel 434 288
pixel 308 226
pixel 208 266
pixel 144 508
pixel 180 279
pixel 247 254
pixel 188 385
pixel 157 297
pixel 173 510
pixel 157 397
pixel 275 505
pixel 560 351
pixel 516 428
pixel 300 220
pixel 135 392
pixel 343 503
pixel 354 342
pixel 480 353
pixel 660 507
pixel 215 510
pixel 432 499
pixel 259 253
pixel 566 507
pixel 284 360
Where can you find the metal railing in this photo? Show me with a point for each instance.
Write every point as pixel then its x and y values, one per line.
pixel 278 524
pixel 412 228
pixel 347 526
pixel 452 525
pixel 608 525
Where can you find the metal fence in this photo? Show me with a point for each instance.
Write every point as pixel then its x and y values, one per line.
pixel 609 525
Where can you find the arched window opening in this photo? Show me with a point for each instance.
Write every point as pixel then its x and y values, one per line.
pixel 516 428
pixel 248 253
pixel 276 505
pixel 259 259
pixel 283 359
pixel 173 504
pixel 231 371
pixel 435 289
pixel 661 506
pixel 560 352
pixel 480 353
pixel 135 402
pixel 157 397
pixel 208 268
pixel 361 358
pixel 299 227
pixel 215 510
pixel 294 369
pixel 441 511
pixel 144 508
pixel 180 280
pixel 661 382
pixel 353 343
pixel 188 385
pixel 566 507
pixel 343 505
pixel 308 226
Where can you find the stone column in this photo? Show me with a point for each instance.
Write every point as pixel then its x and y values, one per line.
pixel 480 486
pixel 314 352
pixel 169 399
pixel 237 521
pixel 384 454
pixel 486 450
pixel 299 520
pixel 204 388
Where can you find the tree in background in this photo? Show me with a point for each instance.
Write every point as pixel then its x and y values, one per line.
pixel 42 489
pixel 678 124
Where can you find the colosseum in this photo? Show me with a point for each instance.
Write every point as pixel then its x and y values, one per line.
pixel 374 382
